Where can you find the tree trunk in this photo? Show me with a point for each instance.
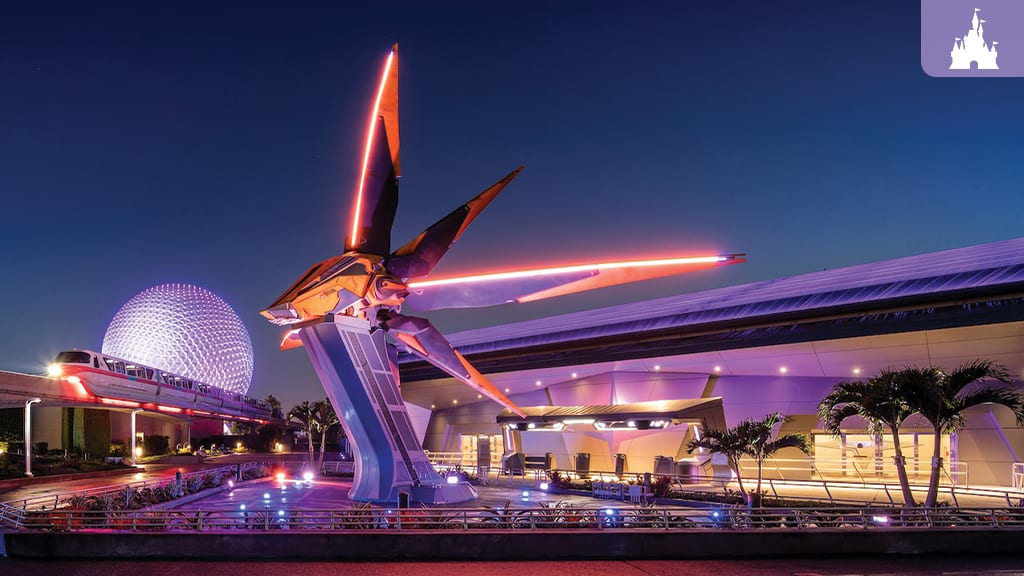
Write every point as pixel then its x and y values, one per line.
pixel 757 504
pixel 739 477
pixel 901 472
pixel 933 480
pixel 309 438
pixel 323 444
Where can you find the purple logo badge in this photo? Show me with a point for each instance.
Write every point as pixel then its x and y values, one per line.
pixel 972 38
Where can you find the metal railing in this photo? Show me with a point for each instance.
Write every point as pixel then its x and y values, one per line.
pixel 832 492
pixel 864 470
pixel 339 467
pixel 556 517
pixel 51 501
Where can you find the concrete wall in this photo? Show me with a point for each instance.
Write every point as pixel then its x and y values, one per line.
pixel 541 544
pixel 46 426
pixel 121 427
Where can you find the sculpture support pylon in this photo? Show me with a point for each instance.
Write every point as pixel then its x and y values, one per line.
pixel 360 379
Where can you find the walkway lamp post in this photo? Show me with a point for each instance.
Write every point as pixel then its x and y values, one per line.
pixel 28 435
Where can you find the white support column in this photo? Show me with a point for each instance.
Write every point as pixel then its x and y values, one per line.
pixel 133 455
pixel 28 435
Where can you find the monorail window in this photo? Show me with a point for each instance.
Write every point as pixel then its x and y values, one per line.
pixel 149 373
pixel 109 363
pixel 73 357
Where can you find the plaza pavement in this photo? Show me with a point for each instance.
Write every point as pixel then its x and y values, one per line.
pixel 498 491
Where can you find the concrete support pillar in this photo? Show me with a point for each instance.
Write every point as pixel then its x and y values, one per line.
pixel 134 436
pixel 842 452
pixel 28 435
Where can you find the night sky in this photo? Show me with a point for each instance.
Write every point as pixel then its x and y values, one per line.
pixel 218 144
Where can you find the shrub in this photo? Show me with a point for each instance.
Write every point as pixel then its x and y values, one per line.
pixel 118 448
pixel 156 445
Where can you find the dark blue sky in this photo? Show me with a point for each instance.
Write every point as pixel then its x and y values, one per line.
pixel 218 143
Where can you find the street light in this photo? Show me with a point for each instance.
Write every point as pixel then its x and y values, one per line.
pixel 28 435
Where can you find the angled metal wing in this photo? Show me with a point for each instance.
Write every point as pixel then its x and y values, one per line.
pixel 419 256
pixel 425 341
pixel 529 285
pixel 377 192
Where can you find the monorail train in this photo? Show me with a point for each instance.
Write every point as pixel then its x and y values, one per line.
pixel 128 384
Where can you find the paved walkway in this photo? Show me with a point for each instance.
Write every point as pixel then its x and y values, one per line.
pixel 499 491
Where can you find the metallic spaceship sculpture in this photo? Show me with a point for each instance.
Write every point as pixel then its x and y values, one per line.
pixel 347 312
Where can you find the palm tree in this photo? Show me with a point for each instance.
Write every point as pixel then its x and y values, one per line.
pixel 326 417
pixel 882 401
pixel 727 442
pixel 305 413
pixel 759 445
pixel 275 406
pixel 941 398
pixel 753 438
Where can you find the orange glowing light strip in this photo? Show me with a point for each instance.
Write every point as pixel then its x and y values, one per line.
pixel 369 145
pixel 119 402
pixel 169 409
pixel 569 270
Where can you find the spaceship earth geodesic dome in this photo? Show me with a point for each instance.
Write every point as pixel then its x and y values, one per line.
pixel 185 330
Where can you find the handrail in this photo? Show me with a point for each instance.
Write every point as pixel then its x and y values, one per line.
pixel 361 519
pixel 55 500
pixel 696 482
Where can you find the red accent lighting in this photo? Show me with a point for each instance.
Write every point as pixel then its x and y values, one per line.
pixel 125 403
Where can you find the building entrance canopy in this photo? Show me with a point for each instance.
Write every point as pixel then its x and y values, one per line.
pixel 638 415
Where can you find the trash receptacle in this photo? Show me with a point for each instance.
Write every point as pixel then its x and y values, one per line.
pixel 515 463
pixel 688 471
pixel 583 464
pixel 664 465
pixel 620 465
pixel 549 461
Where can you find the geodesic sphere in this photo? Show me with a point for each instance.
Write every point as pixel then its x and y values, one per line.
pixel 185 330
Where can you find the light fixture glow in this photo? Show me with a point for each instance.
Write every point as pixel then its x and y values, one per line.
pixel 53 370
pixel 114 402
pixel 856 370
pixel 573 374
pixel 783 370
pixel 537 382
pixel 718 368
pixel 568 270
pixel 369 146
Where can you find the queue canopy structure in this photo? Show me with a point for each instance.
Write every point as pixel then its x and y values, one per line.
pixel 347 312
